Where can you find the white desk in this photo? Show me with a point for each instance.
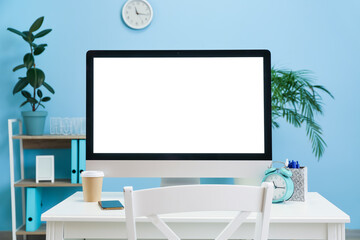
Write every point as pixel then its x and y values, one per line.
pixel 315 219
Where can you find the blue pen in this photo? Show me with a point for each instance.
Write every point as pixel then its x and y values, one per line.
pixel 291 163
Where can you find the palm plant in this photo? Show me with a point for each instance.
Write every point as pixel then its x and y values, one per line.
pixel 296 99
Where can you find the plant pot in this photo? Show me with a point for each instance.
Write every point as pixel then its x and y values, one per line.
pixel 34 122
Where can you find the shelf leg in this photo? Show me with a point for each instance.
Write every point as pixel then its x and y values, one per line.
pixel 22 175
pixel 12 181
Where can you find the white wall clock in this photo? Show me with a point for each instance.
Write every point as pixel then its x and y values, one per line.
pixel 137 14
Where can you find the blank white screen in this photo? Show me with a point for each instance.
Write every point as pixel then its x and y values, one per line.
pixel 178 105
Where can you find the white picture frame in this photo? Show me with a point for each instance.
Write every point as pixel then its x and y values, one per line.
pixel 45 168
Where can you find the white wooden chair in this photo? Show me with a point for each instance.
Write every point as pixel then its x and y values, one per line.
pixel 192 198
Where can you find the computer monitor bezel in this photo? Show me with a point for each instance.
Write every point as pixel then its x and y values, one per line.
pixel 90 155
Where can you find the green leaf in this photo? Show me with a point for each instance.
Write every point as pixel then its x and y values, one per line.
pixel 20 85
pixel 18 67
pixel 37 24
pixel 42 33
pixel 38 50
pixel 41 105
pixel 45 99
pixel 28 60
pixel 29 37
pixel 35 77
pixel 26 94
pixel 24 103
pixel 48 87
pixel 296 99
pixel 17 32
pixel 323 89
pixel 275 124
pixel 35 45
pixel 32 100
pixel 39 93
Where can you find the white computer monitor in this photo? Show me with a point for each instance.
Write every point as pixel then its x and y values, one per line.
pixel 186 113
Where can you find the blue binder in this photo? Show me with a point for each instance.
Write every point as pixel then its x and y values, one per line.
pixel 82 157
pixel 74 161
pixel 33 209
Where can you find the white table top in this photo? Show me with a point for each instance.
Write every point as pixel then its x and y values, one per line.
pixel 315 210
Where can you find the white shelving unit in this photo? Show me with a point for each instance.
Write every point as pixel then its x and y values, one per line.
pixel 32 142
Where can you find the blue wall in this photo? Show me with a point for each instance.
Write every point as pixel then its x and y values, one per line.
pixel 322 36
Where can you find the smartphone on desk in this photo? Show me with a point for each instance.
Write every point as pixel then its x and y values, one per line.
pixel 111 205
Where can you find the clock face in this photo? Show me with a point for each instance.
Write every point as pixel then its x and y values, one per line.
pixel 137 14
pixel 280 187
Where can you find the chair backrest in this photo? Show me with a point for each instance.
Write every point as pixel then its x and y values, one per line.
pixel 191 198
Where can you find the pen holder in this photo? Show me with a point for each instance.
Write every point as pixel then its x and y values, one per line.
pixel 299 177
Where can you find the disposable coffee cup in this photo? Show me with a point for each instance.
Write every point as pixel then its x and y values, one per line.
pixel 92 185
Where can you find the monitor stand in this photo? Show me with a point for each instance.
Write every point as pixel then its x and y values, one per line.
pixel 248 181
pixel 165 182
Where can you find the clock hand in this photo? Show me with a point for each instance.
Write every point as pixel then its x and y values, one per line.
pixel 137 13
pixel 281 187
pixel 274 185
pixel 142 14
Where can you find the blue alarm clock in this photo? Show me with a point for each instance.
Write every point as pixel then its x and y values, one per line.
pixel 283 184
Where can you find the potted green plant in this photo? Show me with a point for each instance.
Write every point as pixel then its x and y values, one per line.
pixel 34 120
pixel 295 98
pixel 298 100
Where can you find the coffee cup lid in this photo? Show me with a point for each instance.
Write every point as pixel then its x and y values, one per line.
pixel 92 174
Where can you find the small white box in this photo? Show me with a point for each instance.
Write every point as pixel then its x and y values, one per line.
pixel 45 168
